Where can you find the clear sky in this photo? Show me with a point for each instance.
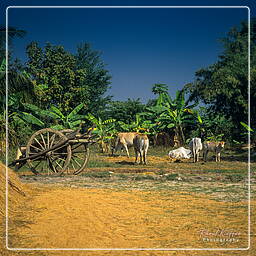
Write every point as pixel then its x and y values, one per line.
pixel 139 46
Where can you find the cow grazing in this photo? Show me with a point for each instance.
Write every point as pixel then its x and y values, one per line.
pixel 195 147
pixel 141 144
pixel 180 153
pixel 212 146
pixel 124 140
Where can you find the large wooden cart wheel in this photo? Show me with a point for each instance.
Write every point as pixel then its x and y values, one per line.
pixel 79 155
pixel 79 158
pixel 49 152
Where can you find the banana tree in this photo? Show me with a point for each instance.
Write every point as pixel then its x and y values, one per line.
pixel 177 116
pixel 52 118
pixel 71 120
pixel 162 91
pixel 139 125
pixel 104 129
pixel 248 131
pixel 20 85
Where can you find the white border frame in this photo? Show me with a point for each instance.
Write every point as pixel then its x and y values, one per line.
pixel 130 249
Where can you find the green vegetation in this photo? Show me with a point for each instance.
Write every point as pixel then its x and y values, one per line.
pixel 223 86
pixel 59 89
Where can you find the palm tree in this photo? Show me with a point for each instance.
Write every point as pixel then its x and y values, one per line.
pixel 19 82
pixel 12 33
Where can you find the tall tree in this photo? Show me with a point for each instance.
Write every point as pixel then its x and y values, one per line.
pixel 223 86
pixel 18 81
pixel 12 33
pixel 125 111
pixel 97 79
pixel 163 96
pixel 63 79
pixel 56 79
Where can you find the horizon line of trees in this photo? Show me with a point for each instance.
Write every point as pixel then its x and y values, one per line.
pixel 56 88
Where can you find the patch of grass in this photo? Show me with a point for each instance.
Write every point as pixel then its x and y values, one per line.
pixel 97 174
pixel 99 163
pixel 122 176
pixel 172 176
pixel 227 171
pixel 159 150
pixel 144 177
pixel 235 177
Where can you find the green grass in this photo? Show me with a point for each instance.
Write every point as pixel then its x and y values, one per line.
pixel 99 163
pixel 172 176
pixel 241 171
pixel 97 174
pixel 235 177
pixel 144 177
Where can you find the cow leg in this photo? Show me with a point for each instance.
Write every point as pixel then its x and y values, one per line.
pixel 144 156
pixel 127 151
pixel 194 156
pixel 140 156
pixel 136 155
pixel 197 157
pixel 145 151
pixel 218 157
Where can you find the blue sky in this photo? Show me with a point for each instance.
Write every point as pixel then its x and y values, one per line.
pixel 139 46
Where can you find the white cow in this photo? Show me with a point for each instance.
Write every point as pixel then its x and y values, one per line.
pixel 195 147
pixel 141 144
pixel 180 153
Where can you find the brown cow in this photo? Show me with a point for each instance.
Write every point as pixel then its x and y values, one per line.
pixel 124 140
pixel 216 147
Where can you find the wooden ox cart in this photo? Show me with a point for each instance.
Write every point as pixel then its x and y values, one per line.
pixel 49 151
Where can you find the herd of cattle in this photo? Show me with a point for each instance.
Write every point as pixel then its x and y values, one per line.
pixel 140 142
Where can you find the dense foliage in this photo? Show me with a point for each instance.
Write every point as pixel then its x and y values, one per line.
pixel 63 79
pixel 223 86
pixel 59 89
pixel 124 111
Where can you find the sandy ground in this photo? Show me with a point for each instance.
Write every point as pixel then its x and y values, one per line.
pixel 103 218
pixel 74 217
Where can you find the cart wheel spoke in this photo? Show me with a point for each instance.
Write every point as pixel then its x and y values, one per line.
pixel 39 143
pixel 43 141
pixel 79 164
pixel 52 140
pixel 38 149
pixel 79 159
pixel 58 164
pixel 58 153
pixel 48 140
